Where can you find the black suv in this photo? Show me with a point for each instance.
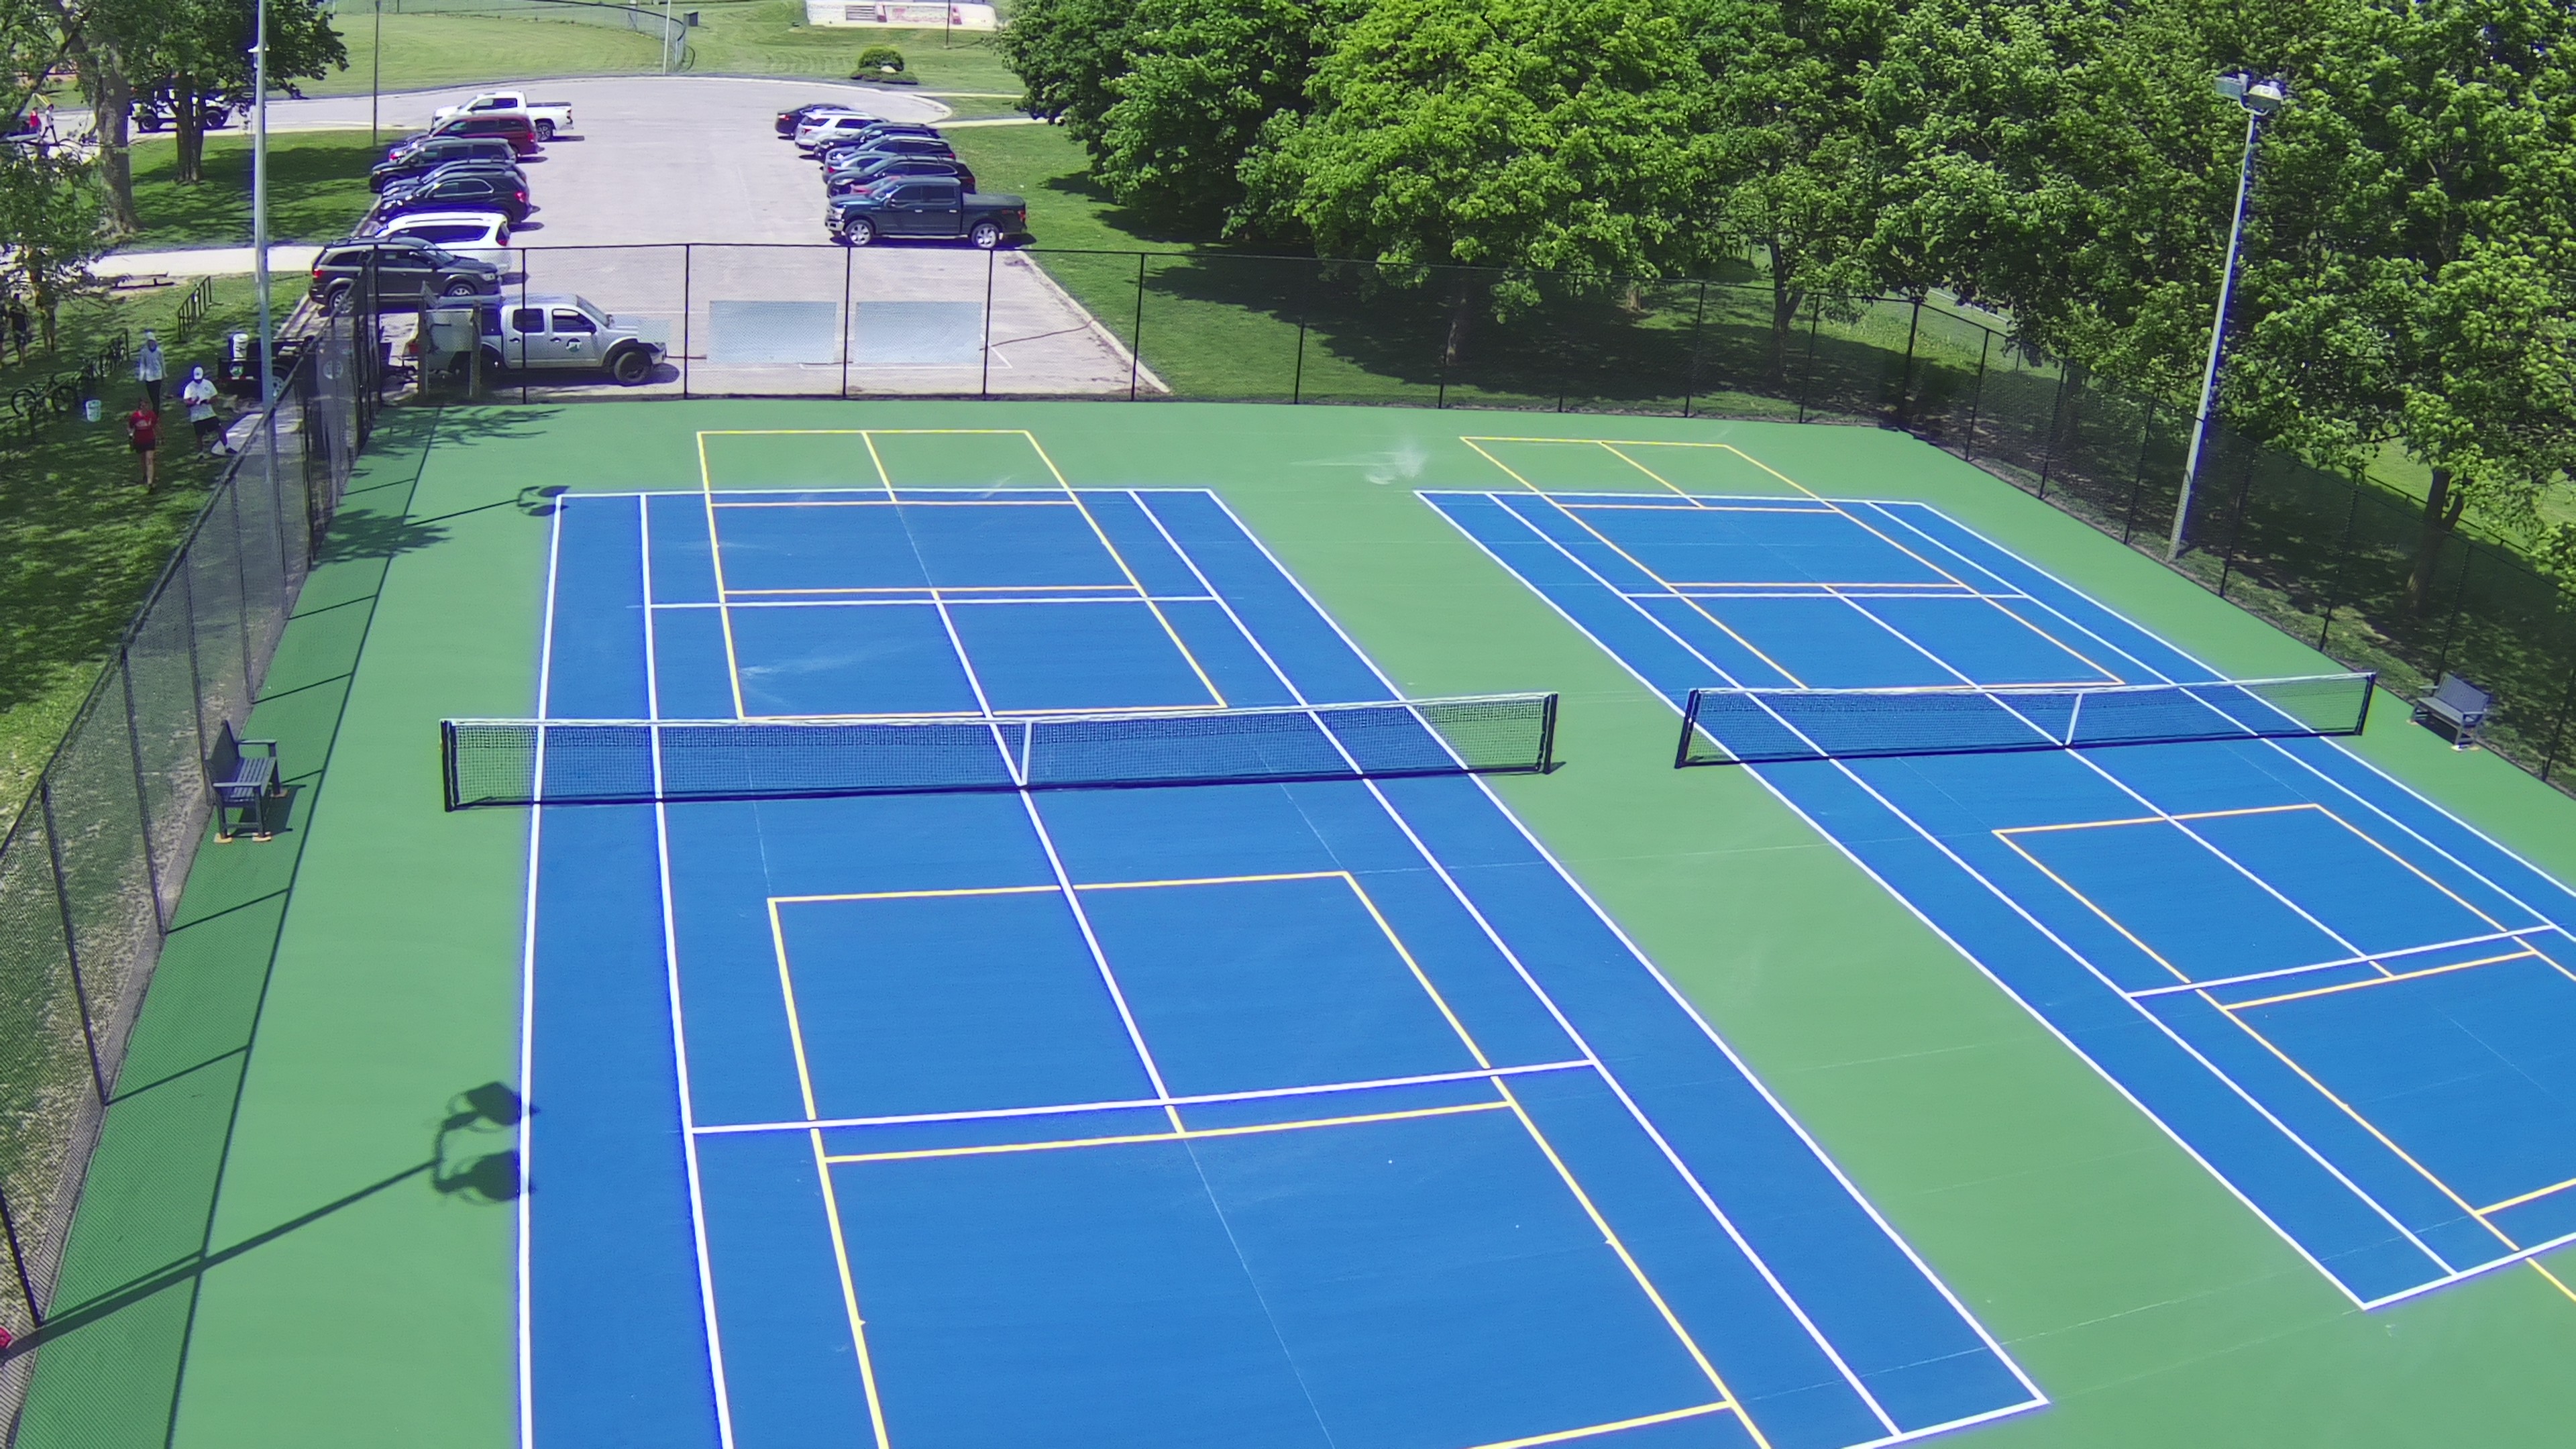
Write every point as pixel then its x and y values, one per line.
pixel 402 265
pixel 436 151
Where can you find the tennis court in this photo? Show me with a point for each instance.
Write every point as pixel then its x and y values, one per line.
pixel 2350 1006
pixel 1321 1108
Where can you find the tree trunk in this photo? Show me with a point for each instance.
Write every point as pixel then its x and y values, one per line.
pixel 188 124
pixel 1462 311
pixel 2442 510
pixel 111 99
pixel 1786 301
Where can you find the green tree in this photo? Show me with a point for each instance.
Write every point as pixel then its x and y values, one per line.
pixel 1204 79
pixel 1070 55
pixel 199 59
pixel 53 224
pixel 1549 135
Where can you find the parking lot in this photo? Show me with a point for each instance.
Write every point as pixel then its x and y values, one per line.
pixel 674 205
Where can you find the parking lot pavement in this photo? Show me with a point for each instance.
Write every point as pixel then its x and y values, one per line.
pixel 759 300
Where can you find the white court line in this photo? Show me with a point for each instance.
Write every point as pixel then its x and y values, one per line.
pixel 1619 1089
pixel 528 1000
pixel 740 603
pixel 1972 959
pixel 2278 746
pixel 1135 1103
pixel 671 967
pixel 2400 954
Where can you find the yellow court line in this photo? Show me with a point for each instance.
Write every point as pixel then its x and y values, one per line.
pixel 899 502
pixel 2534 1195
pixel 795 1021
pixel 1805 583
pixel 2554 1280
pixel 2087 902
pixel 1183 1134
pixel 850 1292
pixel 1019 890
pixel 1665 584
pixel 2153 819
pixel 1642 468
pixel 1636 1270
pixel 1588 1431
pixel 2372 1128
pixel 2392 976
pixel 715 562
pixel 1147 594
pixel 878 462
pixel 1213 880
pixel 1116 590
pixel 1700 501
pixel 1508 468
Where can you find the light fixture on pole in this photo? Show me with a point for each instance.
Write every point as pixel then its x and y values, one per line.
pixel 2260 96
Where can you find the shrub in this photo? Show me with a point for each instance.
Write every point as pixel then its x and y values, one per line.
pixel 878 60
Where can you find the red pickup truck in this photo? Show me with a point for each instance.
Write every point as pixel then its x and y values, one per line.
pixel 515 127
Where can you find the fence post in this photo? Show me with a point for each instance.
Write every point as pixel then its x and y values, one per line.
pixel 2236 530
pixel 1815 320
pixel 1905 374
pixel 1690 369
pixel 143 795
pixel 1305 305
pixel 1977 393
pixel 2138 489
pixel 71 935
pixel 984 385
pixel 2048 445
pixel 2558 727
pixel 2459 604
pixel 2343 556
pixel 1136 334
pixel 849 257
pixel 688 273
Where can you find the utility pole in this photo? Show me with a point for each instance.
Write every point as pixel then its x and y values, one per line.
pixel 2260 96
pixel 259 199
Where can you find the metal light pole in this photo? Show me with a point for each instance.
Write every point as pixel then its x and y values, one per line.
pixel 2260 96
pixel 259 198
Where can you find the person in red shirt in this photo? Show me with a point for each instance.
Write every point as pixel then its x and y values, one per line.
pixel 143 430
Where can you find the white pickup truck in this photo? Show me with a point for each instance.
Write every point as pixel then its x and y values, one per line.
pixel 549 116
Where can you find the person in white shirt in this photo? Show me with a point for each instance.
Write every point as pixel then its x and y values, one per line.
pixel 199 395
pixel 148 368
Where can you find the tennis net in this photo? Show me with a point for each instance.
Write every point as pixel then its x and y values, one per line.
pixel 609 762
pixel 1766 726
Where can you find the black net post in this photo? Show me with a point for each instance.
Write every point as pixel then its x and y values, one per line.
pixel 1305 308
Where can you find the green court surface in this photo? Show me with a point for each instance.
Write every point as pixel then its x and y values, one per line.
pixel 299 1229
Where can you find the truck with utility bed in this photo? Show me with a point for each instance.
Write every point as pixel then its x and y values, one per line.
pixel 932 208
pixel 539 332
pixel 548 116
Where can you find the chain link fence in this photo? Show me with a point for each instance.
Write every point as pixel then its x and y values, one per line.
pixel 92 865
pixel 2339 562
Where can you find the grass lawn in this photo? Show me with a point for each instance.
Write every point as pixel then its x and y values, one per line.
pixel 317 190
pixel 80 541
pixel 423 51
pixel 734 37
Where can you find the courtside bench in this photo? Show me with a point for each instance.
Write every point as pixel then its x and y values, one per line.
pixel 244 783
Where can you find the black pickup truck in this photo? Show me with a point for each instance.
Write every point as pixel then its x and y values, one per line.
pixel 932 207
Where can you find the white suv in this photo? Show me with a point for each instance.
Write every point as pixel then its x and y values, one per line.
pixel 824 130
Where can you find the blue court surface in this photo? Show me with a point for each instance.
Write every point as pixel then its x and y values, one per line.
pixel 1239 1115
pixel 2355 1010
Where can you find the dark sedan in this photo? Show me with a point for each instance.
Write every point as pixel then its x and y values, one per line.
pixel 842 183
pixel 430 154
pixel 458 193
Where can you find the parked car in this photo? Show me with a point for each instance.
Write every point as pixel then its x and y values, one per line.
pixel 893 146
pixel 553 332
pixel 400 267
pixel 471 166
pixel 467 192
pixel 842 183
pixel 482 236
pixel 547 116
pixel 427 155
pixel 512 126
pixel 795 116
pixel 929 207
pixel 825 130
pixel 867 134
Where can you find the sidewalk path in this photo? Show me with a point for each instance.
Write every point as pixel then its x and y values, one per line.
pixel 205 262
